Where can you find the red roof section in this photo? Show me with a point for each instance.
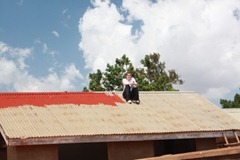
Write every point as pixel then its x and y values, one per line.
pixel 50 98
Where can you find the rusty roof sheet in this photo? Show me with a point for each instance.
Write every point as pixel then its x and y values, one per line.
pixel 159 112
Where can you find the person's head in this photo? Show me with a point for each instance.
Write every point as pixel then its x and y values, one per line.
pixel 128 75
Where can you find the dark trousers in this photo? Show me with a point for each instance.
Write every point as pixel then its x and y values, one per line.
pixel 129 94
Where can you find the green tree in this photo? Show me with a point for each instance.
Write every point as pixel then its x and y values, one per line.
pixel 151 77
pixel 231 104
pixel 85 89
pixel 156 78
pixel 95 83
pixel 113 75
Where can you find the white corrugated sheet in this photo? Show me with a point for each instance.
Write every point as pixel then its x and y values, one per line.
pixel 234 112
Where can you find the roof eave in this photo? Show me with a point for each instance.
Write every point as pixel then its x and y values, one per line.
pixel 117 138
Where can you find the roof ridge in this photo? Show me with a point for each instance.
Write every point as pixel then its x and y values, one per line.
pixel 159 92
pixel 45 93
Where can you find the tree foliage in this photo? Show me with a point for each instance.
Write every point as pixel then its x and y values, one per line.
pixel 231 104
pixel 113 75
pixel 155 76
pixel 96 81
pixel 151 77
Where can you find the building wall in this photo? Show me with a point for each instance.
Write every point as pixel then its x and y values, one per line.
pixel 130 150
pixel 3 150
pixel 83 151
pixel 3 154
pixel 205 144
pixel 162 147
pixel 37 152
pixel 103 151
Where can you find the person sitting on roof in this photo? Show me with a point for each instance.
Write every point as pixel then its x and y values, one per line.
pixel 130 89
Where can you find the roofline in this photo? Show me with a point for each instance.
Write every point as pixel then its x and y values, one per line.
pixel 3 135
pixel 42 93
pixel 118 138
pixel 203 154
pixel 109 92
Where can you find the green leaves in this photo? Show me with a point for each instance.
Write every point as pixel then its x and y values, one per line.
pixel 96 81
pixel 151 77
pixel 156 76
pixel 231 104
pixel 112 79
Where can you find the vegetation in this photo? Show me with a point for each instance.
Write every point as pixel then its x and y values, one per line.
pixel 151 77
pixel 231 104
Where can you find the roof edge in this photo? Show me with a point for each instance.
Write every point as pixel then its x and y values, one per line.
pixel 3 135
pixel 96 92
pixel 118 138
pixel 155 92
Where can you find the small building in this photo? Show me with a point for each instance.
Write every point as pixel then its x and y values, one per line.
pixel 92 125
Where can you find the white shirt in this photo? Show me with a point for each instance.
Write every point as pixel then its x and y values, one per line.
pixel 130 82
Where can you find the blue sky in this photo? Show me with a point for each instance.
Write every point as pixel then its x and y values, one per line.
pixel 53 45
pixel 35 24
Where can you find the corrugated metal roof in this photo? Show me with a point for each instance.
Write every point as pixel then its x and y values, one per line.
pixel 159 112
pixel 45 98
pixel 234 112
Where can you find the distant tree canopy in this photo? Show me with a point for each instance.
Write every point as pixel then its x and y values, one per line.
pixel 151 77
pixel 231 104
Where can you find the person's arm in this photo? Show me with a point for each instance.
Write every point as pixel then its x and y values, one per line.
pixel 125 82
pixel 134 82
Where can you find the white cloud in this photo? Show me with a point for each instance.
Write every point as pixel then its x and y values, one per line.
pixel 98 3
pixel 17 54
pixel 20 2
pixel 70 75
pixel 104 38
pixel 200 39
pixel 52 82
pixel 15 76
pixel 64 11
pixel 45 48
pixel 55 33
pixel 69 17
pixel 7 71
